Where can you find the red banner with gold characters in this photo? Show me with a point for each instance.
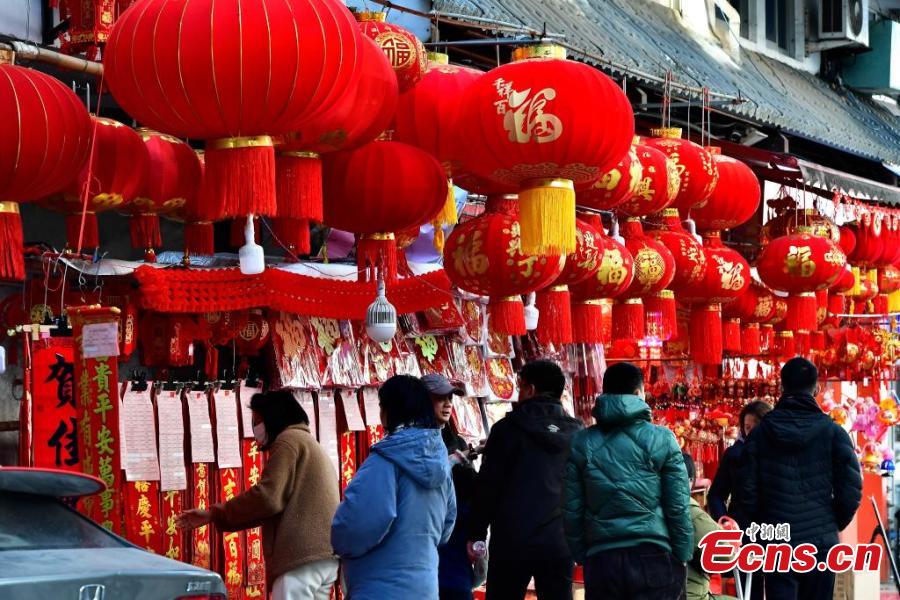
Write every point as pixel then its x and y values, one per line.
pixel 143 519
pixel 232 541
pixel 95 331
pixel 173 538
pixel 55 414
pixel 201 537
pixel 255 563
pixel 348 458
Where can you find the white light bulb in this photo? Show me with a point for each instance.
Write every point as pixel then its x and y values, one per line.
pixel 532 314
pixel 251 257
pixel 381 316
pixel 692 229
pixel 614 231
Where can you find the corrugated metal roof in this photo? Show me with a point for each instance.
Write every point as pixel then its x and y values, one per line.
pixel 649 38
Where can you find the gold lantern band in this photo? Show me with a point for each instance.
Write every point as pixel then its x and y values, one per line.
pixel 539 51
pixel 598 302
pixel 232 143
pixel 378 237
pixel 299 154
pixel 666 132
pixel 671 212
pixel 9 207
pixel 559 288
pixel 439 58
pixel 563 184
pixel 666 295
pixel 371 15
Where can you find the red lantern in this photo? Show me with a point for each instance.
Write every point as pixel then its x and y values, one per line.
pixel 845 282
pixel 172 179
pixel 888 279
pixel 378 189
pixel 402 48
pixel 734 199
pixel 545 125
pixel 690 259
pixel 232 72
pixel 44 140
pixel 657 187
pixel 847 239
pixel 555 322
pixel 890 234
pixel 869 244
pixel 357 117
pixel 484 256
pixel 695 165
pixel 615 186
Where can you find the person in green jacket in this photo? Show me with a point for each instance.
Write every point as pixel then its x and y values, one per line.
pixel 626 498
pixel 697 578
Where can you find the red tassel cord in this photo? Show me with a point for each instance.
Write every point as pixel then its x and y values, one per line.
pixel 592 321
pixel 750 340
pixel 784 346
pixel 555 322
pixel 801 313
pixel 91 238
pixel 293 235
pixel 299 185
pixel 706 334
pixel 199 239
pixel 378 250
pixel 880 304
pixel 12 260
pixel 731 336
pixel 145 234
pixel 506 316
pixel 662 315
pixel 239 178
pixel 628 320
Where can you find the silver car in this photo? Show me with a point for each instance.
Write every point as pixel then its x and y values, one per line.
pixel 50 551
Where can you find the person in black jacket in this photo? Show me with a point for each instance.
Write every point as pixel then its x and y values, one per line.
pixel 519 491
pixel 799 467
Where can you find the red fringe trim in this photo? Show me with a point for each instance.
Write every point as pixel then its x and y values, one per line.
pixel 706 335
pixel 374 252
pixel 12 258
pixel 199 239
pixel 837 305
pixel 817 340
pixel 145 232
pixel 506 316
pixel 555 322
pixel 293 233
pixel 661 316
pixel 880 304
pixel 802 343
pixel 801 313
pixel 628 320
pixel 731 336
pixel 591 323
pixel 784 347
pixel 238 181
pixel 299 187
pixel 751 343
pixel 91 237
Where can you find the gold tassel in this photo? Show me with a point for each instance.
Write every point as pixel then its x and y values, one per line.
pixel 447 216
pixel 547 217
pixel 857 279
pixel 894 302
pixel 438 241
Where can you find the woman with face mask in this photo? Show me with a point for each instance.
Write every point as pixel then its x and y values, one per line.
pixel 294 502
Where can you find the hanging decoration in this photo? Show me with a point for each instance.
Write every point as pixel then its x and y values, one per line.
pixel 404 51
pixel 733 201
pixel 619 184
pixel 690 259
pixel 695 165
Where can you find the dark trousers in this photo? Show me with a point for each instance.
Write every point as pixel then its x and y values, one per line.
pixel 643 572
pixel 799 586
pixel 448 594
pixel 508 579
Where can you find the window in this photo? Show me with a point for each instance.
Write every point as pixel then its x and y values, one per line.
pixel 774 25
pixel 779 24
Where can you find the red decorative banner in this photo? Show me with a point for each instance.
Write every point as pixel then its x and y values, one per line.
pixel 201 537
pixel 232 541
pixel 173 538
pixel 55 415
pixel 255 563
pixel 95 330
pixel 348 458
pixel 143 520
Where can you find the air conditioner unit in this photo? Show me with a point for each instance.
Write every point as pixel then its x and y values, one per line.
pixel 843 23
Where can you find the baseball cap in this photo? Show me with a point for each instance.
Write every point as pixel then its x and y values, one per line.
pixel 440 385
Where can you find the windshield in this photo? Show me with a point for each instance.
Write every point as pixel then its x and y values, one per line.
pixel 29 522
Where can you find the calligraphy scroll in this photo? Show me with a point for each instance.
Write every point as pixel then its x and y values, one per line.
pixel 98 416
pixel 173 538
pixel 201 537
pixel 348 458
pixel 55 415
pixel 255 563
pixel 232 541
pixel 143 517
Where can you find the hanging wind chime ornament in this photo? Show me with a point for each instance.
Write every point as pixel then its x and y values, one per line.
pixel 376 190
pixel 402 48
pixel 484 256
pixel 733 201
pixel 233 73
pixel 545 125
pixel 616 185
pixel 356 118
pixel 554 302
pixel 694 163
pixel 657 187
pixel 45 142
pixel 172 179
pixel 109 180
pixel 592 299
pixel 426 118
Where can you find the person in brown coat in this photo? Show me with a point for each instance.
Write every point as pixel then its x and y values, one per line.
pixel 294 502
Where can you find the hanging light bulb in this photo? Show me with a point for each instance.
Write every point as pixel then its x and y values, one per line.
pixel 532 314
pixel 381 316
pixel 252 259
pixel 614 230
pixel 691 227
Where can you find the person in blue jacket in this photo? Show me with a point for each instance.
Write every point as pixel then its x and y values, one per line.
pixel 400 506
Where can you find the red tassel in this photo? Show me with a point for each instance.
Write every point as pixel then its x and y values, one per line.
pixel 628 320
pixel 785 348
pixel 145 233
pixel 555 322
pixel 236 234
pixel 592 321
pixel 293 234
pixel 837 305
pixel 199 239
pixel 880 304
pixel 767 339
pixel 821 306
pixel 378 250
pixel 299 185
pixel 506 316
pixel 91 237
pixel 751 344
pixel 817 340
pixel 706 334
pixel 12 259
pixel 731 336
pixel 662 315
pixel 239 178
pixel 802 343
pixel 801 313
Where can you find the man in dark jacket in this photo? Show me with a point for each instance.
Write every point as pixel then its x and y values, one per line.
pixel 519 491
pixel 799 468
pixel 627 498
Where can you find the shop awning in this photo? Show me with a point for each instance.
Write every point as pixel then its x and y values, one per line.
pixel 645 40
pixel 851 185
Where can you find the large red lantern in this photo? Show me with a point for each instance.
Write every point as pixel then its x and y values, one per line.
pixel 657 187
pixel 234 73
pixel 484 256
pixel 378 189
pixel 733 201
pixel 869 243
pixel 356 118
pixel 545 125
pixel 890 235
pixel 695 165
pixel 402 48
pixel 45 136
pixel 690 259
pixel 616 185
